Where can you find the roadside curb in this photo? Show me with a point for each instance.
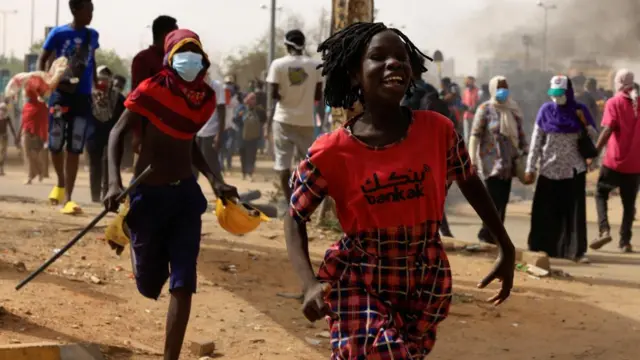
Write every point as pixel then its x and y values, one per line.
pixel 50 351
pixel 538 259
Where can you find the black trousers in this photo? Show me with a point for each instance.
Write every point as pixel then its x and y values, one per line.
pixel 499 190
pixel 98 174
pixel 628 183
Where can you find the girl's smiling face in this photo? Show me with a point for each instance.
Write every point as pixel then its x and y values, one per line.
pixel 385 71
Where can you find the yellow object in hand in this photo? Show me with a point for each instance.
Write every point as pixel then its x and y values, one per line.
pixel 238 218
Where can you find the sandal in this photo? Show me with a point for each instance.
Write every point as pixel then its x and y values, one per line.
pixel 56 196
pixel 71 208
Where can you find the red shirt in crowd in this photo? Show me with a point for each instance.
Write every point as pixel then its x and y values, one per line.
pixel 146 63
pixel 35 113
pixel 623 146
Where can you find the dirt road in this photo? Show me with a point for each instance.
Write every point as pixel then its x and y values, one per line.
pixel 587 316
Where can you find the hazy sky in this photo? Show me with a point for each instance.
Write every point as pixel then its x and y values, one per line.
pixel 225 25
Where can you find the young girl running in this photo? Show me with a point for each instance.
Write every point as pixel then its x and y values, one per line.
pixel 386 284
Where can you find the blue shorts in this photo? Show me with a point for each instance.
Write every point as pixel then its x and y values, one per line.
pixel 165 225
pixel 70 121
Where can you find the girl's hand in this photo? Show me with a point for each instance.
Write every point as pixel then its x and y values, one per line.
pixel 529 178
pixel 503 270
pixel 313 306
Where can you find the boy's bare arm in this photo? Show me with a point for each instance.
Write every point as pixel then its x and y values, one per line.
pixel 115 146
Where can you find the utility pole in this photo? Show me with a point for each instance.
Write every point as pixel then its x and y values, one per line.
pixel 546 8
pixel 526 41
pixel 4 14
pixel 57 12
pixel 33 20
pixel 272 52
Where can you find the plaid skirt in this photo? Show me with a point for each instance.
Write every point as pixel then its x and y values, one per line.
pixel 390 291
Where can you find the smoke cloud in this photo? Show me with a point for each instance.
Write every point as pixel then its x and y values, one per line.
pixel 607 30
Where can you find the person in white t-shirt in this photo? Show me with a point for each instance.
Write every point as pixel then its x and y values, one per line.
pixel 296 83
pixel 229 138
pixel 209 137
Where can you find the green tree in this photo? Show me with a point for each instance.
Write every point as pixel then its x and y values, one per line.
pixel 114 62
pixel 36 47
pixel 251 62
pixel 13 64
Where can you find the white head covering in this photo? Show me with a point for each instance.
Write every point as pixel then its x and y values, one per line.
pixel 508 112
pixel 623 80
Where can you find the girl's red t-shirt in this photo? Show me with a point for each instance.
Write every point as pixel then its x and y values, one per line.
pixel 403 184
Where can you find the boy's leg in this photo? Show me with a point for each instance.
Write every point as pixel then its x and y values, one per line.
pixel 230 148
pixel 444 227
pixel 43 159
pixel 95 151
pixel 493 188
pixel 284 151
pixel 28 157
pixel 149 255
pixel 628 195
pixel 252 155
pixel 78 129
pixel 57 138
pixel 4 144
pixel 184 246
pixel 177 320
pixel 105 171
pixel 607 181
pixel 184 249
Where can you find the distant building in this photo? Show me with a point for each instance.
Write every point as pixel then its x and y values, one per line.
pixel 591 68
pixel 488 68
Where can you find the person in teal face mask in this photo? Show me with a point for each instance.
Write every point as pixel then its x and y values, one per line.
pixel 498 146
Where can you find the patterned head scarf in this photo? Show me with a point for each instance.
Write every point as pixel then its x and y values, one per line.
pixel 176 107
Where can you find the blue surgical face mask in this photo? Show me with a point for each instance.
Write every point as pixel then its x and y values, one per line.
pixel 187 64
pixel 502 95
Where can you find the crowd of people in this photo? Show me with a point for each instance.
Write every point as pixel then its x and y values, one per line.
pixel 389 185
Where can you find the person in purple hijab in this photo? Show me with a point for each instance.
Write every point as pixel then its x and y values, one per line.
pixel 558 215
pixel 559 114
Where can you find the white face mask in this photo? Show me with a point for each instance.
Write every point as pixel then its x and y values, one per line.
pixel 560 100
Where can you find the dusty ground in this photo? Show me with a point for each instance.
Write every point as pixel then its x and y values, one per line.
pixel 577 318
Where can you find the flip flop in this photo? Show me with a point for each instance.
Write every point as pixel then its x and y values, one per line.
pixel 71 208
pixel 56 196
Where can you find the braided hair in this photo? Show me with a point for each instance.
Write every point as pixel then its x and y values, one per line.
pixel 341 56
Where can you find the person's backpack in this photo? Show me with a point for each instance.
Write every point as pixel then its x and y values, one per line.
pixel 252 126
